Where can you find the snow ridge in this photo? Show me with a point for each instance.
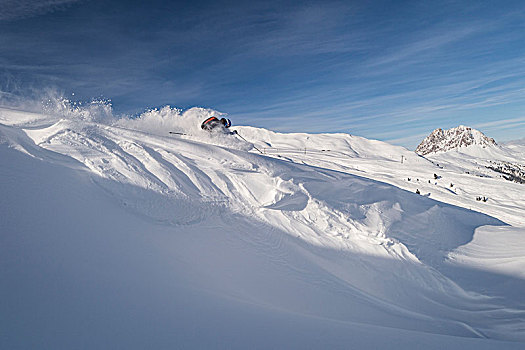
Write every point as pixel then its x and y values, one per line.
pixel 445 140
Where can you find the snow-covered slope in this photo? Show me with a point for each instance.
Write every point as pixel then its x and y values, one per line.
pixel 114 234
pixel 445 140
pixel 467 173
pixel 517 147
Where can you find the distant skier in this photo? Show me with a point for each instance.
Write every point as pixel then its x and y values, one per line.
pixel 213 123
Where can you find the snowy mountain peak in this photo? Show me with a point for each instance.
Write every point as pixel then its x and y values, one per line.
pixel 445 140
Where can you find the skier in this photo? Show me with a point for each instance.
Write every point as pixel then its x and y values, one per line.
pixel 213 123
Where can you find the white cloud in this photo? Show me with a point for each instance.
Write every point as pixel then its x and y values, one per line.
pixel 16 9
pixel 504 123
pixel 431 41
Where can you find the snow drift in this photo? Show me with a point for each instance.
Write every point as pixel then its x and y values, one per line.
pixel 115 234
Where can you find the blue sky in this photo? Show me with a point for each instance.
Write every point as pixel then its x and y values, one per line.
pixel 388 70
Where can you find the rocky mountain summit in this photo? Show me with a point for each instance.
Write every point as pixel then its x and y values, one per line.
pixel 445 140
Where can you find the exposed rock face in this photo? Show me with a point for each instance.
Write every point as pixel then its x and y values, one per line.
pixel 445 140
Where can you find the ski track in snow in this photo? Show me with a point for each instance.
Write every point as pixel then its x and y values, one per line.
pixel 335 213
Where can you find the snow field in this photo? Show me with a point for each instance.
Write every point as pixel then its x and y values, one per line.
pixel 329 239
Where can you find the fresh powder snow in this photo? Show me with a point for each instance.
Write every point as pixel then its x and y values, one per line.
pixel 116 234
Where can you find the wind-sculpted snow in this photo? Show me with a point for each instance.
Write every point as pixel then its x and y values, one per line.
pixel 199 240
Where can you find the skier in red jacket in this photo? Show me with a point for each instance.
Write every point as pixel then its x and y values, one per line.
pixel 213 123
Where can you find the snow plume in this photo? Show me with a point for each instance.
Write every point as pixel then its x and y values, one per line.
pixel 51 104
pixel 161 121
pixel 96 110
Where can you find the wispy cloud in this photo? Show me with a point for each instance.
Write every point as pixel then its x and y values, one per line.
pixel 17 9
pixel 407 140
pixel 502 122
pixel 432 40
